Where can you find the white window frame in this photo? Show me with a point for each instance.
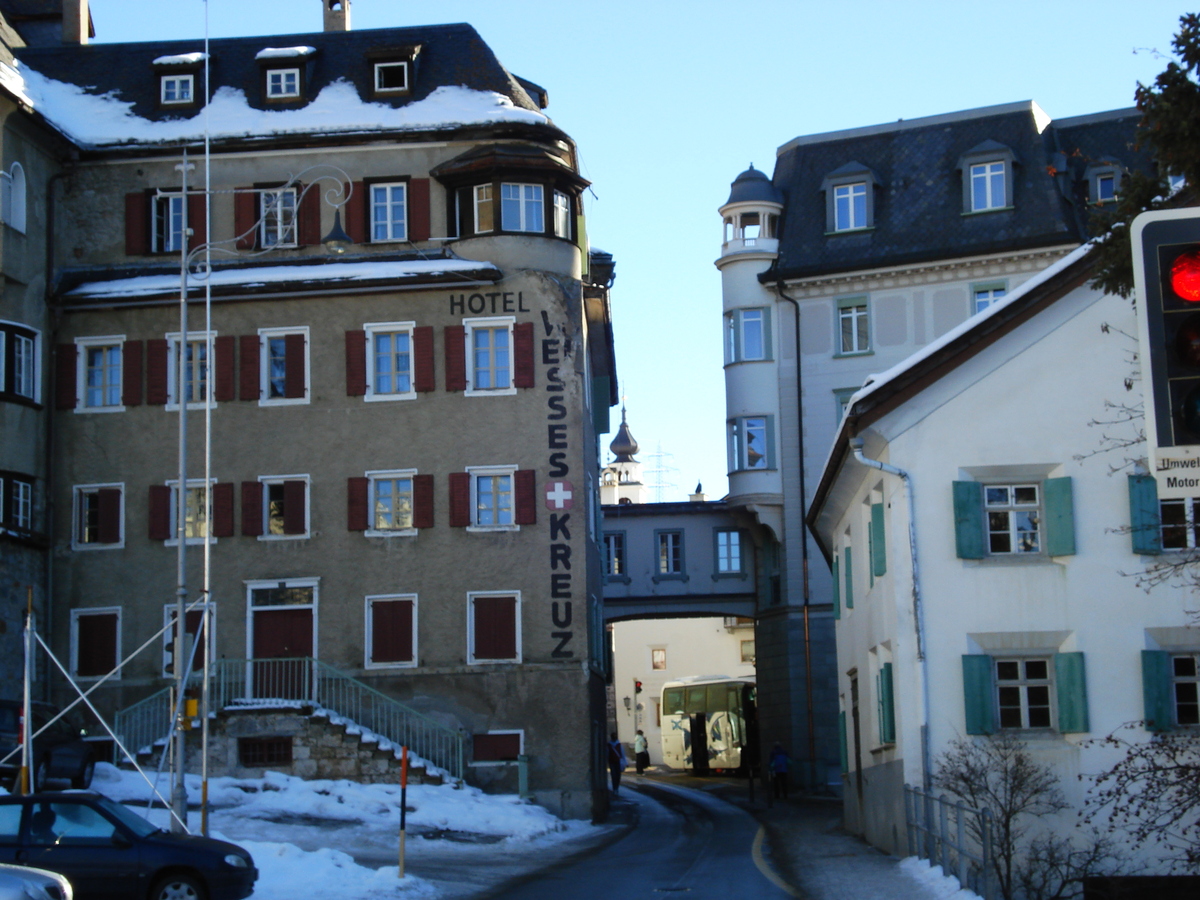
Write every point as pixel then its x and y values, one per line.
pixel 562 215
pixel 739 450
pixel 369 631
pixel 169 610
pixel 722 566
pixel 82 346
pixel 207 338
pixel 265 336
pixel 374 329
pixel 193 484
pixel 1177 680
pixel 172 84
pixel 395 233
pixel 77 493
pixel 470 326
pixel 21 502
pixel 985 294
pixel 13 192
pixel 657 654
pixel 266 583
pixel 1023 683
pixel 167 207
pixel 850 197
pixel 611 540
pixel 477 472
pixel 27 380
pixel 380 68
pixel 1189 526
pixel 278 225
pixel 530 200
pixel 1013 510
pixel 672 540
pixel 501 762
pixel 373 478
pixel 76 615
pixel 735 334
pixel 284 92
pixel 985 173
pixel 482 198
pixel 848 311
pixel 1111 179
pixel 472 659
pixel 267 481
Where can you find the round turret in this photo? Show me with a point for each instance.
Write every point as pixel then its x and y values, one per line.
pixel 623 445
pixel 751 215
pixel 753 186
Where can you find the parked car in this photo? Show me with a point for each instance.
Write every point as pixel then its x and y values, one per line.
pixel 25 883
pixel 109 852
pixel 59 753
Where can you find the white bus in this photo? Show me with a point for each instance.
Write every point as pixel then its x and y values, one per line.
pixel 709 723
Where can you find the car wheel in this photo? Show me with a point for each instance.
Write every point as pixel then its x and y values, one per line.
pixel 83 780
pixel 178 887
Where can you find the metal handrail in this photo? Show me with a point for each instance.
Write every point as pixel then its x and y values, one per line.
pixel 146 723
pixel 952 835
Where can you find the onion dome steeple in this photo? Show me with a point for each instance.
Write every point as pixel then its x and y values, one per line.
pixel 623 445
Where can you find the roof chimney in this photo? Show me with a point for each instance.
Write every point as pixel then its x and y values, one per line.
pixel 75 21
pixel 337 15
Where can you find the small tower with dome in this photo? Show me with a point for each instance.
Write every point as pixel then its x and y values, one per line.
pixel 621 479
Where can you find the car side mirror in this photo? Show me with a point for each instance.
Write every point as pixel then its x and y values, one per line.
pixel 119 840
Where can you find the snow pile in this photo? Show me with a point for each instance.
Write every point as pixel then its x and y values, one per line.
pixel 940 886
pixel 104 120
pixel 286 872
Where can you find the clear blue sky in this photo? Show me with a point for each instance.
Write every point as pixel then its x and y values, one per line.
pixel 669 101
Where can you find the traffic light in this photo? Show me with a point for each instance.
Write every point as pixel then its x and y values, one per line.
pixel 637 686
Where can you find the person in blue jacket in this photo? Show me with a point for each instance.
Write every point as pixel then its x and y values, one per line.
pixel 778 764
pixel 616 762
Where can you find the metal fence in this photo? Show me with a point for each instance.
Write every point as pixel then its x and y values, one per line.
pixel 145 724
pixel 952 835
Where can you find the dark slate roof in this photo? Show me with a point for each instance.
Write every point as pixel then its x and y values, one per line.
pixel 449 55
pixel 751 186
pixel 919 193
pixel 39 22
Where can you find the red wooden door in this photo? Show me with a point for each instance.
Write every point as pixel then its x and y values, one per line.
pixel 281 637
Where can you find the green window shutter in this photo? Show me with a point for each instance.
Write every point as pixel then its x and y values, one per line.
pixel 768 351
pixel 837 590
pixel 1060 517
pixel 878 551
pixel 887 707
pixel 600 396
pixel 1072 692
pixel 1156 690
pixel 1144 522
pixel 849 564
pixel 842 748
pixel 977 694
pixel 968 520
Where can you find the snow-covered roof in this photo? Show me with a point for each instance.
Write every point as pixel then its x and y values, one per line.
pixel 284 52
pixel 181 59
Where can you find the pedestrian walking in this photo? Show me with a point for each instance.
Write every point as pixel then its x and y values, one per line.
pixel 641 752
pixel 778 764
pixel 616 762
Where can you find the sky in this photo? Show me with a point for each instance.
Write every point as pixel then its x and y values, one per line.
pixel 669 101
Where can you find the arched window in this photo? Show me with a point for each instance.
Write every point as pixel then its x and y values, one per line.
pixel 12 197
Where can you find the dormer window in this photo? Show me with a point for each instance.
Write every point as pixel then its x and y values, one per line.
pixel 850 206
pixel 391 77
pixel 283 84
pixel 987 173
pixel 1103 181
pixel 177 75
pixel 987 186
pixel 177 89
pixel 850 198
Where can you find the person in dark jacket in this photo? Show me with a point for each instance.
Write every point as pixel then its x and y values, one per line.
pixel 778 764
pixel 616 762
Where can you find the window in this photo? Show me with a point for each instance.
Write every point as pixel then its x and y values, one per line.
pixel 196 369
pixel 1023 693
pixel 282 511
pixel 984 295
pixel 197 511
pixel 1103 180
pixel 748 335
pixel 277 217
pixel 658 659
pixel 668 555
pixel 850 206
pixel 483 209
pixel 1014 519
pixel 391 77
pixel 493 627
pixel 260 752
pixel 167 232
pixel 99 514
pixel 492 498
pixel 177 89
pixel 12 197
pixel 100 373
pixel 20 362
pixel 614 555
pixel 987 186
pixel 729 552
pixel 95 641
pixel 850 198
pixel 748 651
pixel 1180 523
pixel 391 500
pixel 1106 188
pixel 1035 690
pixel 489 356
pixel 389 220
pixel 841 401
pixel 392 631
pixel 853 318
pixel 521 208
pixel 751 443
pixel 390 365
pixel 562 215
pixel 283 83
pixel 284 366
pixel 987 177
pixel 1185 683
pixel 16 503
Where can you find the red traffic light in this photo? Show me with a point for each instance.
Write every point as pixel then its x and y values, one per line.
pixel 1185 276
pixel 637 687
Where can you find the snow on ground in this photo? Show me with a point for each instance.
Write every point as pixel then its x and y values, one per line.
pixel 939 885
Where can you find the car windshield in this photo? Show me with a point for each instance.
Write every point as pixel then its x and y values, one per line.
pixel 127 817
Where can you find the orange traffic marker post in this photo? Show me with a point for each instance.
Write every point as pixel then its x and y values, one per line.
pixel 403 802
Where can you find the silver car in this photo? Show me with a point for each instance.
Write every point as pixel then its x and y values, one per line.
pixel 25 883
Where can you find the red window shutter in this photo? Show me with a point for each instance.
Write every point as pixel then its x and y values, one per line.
pixel 424 379
pixel 460 499
pixel 156 371
pixel 455 337
pixel 423 501
pixel 495 747
pixel 249 385
pixel 357 490
pixel 294 497
pixel 65 359
pixel 252 508
pixel 131 373
pixel 391 631
pixel 418 209
pixel 523 355
pixel 137 223
pixel 109 502
pixel 356 363
pixel 495 627
pixel 293 378
pixel 225 388
pixel 308 229
pixel 96 644
pixel 354 213
pixel 222 504
pixel 524 481
pixel 245 215
pixel 160 513
pixel 196 222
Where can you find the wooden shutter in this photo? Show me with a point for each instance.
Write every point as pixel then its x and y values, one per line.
pixel 156 371
pixel 222 505
pixel 293 378
pixel 495 627
pixel 137 223
pixel 252 512
pixel 878 550
pixel 525 489
pixel 837 590
pixel 424 379
pixel 295 518
pixel 455 340
pixel 601 391
pixel 418 209
pixel 843 748
pixel 495 747
pixel 423 500
pixel 391 631
pixel 460 499
pixel 1145 524
pixel 356 363
pixel 968 520
pixel 308 228
pixel 1071 687
pixel 225 388
pixel 849 576
pixel 109 502
pixel 96 644
pixel 977 693
pixel 1159 705
pixel 354 212
pixel 196 220
pixel 245 215
pixel 1060 517
pixel 131 373
pixel 160 513
pixel 357 490
pixel 523 367
pixel 249 384
pixel 887 705
pixel 66 358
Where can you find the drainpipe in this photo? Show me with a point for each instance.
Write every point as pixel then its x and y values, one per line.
pixel 856 445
